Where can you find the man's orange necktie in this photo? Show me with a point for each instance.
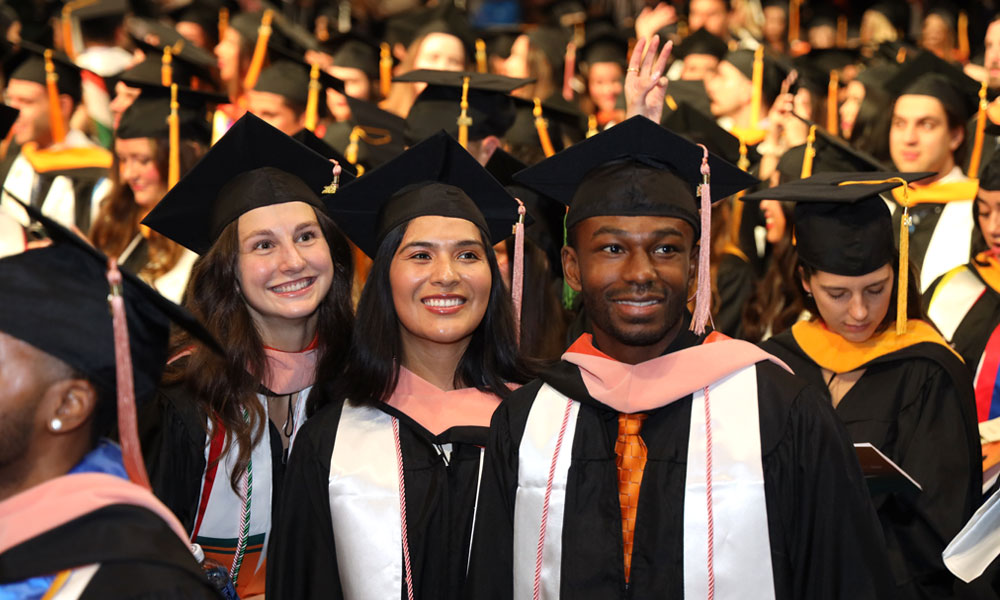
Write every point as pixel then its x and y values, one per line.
pixel 631 451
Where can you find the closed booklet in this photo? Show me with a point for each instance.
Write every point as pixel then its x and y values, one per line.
pixel 882 475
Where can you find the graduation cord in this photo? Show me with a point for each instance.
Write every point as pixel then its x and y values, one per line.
pixel 244 534
pixel 402 510
pixel 536 594
pixel 708 497
pixel 290 417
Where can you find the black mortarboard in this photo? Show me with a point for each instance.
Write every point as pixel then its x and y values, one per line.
pixel 380 137
pixel 821 16
pixel 604 44
pixel 552 42
pixel 699 128
pixel 147 116
pixel 436 177
pixel 354 51
pixel 98 10
pixel 815 66
pixel 772 75
pixel 447 18
pixel 7 117
pixel 564 120
pixel 499 39
pixel 402 28
pixel 691 92
pixel 251 166
pixel 635 168
pixel 928 75
pixel 56 299
pixel 29 64
pixel 831 155
pixel 841 228
pixel 439 105
pixel 309 140
pixel 290 80
pixel 187 59
pixel 702 42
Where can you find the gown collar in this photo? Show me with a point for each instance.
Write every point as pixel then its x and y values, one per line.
pixel 437 410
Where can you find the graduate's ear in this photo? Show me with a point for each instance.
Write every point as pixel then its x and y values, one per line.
pixel 70 404
pixel 805 281
pixel 956 138
pixel 571 268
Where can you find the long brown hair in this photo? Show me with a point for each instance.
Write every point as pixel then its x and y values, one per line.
pixel 227 386
pixel 777 300
pixel 117 221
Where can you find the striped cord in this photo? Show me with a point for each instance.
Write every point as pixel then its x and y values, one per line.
pixel 402 509
pixel 545 506
pixel 244 535
pixel 708 498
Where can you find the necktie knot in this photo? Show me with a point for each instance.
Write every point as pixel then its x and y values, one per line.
pixel 630 424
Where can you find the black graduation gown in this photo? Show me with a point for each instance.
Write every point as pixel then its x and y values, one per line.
pixel 974 331
pixel 440 501
pixel 734 281
pixel 825 539
pixel 915 405
pixel 140 556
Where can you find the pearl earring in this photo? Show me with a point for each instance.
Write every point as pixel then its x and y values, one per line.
pixel 56 424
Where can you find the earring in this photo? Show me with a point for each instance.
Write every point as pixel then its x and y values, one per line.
pixel 55 424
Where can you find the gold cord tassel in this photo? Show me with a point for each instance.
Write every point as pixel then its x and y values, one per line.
pixel 223 21
pixel 481 56
pixel 809 155
pixel 351 152
pixel 55 109
pixel 385 69
pixel 977 147
pixel 259 51
pixel 542 126
pixel 904 268
pixel 166 67
pixel 592 126
pixel 758 86
pixel 312 103
pixel 464 121
pixel 174 122
pixel 832 93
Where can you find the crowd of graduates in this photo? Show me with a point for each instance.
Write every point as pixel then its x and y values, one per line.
pixel 403 299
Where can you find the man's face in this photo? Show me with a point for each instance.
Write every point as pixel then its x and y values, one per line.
pixel 919 139
pixel 633 274
pixel 699 67
pixel 729 90
pixel 992 58
pixel 32 124
pixel 710 14
pixel 274 111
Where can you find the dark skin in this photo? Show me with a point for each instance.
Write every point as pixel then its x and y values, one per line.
pixel 634 274
pixel 35 389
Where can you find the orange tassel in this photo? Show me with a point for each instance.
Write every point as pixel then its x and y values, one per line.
pixel 259 51
pixel 842 31
pixel 174 122
pixel 55 109
pixel 809 155
pixel 793 21
pixel 963 37
pixel 166 68
pixel 385 69
pixel 223 21
pixel 832 93
pixel 758 86
pixel 481 56
pixel 542 126
pixel 977 147
pixel 592 126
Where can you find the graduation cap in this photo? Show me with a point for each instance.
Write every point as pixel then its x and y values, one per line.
pixel 604 44
pixel 354 51
pixel 499 39
pixel 29 64
pixel 439 106
pixel 251 166
pixel 691 92
pixel 436 177
pixel 57 300
pixel 773 74
pixel 699 128
pixel 291 81
pixel 447 18
pixel 989 177
pixel 829 154
pixel 928 75
pixel 148 115
pixel 371 137
pixel 702 42
pixel 154 38
pixel 561 119
pixel 309 140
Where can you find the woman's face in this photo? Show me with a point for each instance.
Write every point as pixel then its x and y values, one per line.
pixel 774 220
pixel 852 307
pixel 285 269
pixel 988 215
pixel 228 54
pixel 440 51
pixel 440 279
pixel 604 83
pixel 137 169
pixel 854 96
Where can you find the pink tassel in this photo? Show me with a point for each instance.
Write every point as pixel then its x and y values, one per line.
pixel 703 297
pixel 517 279
pixel 127 427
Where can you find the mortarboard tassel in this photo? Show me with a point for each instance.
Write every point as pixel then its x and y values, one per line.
pixel 977 147
pixel 793 22
pixel 223 21
pixel 901 55
pixel 842 31
pixel 259 51
pixel 312 103
pixel 517 277
pixel 332 187
pixel 385 69
pixel 55 109
pixel 542 126
pixel 569 68
pixel 166 67
pixel 481 55
pixel 174 123
pixel 67 30
pixel 832 93
pixel 351 152
pixel 963 37
pixel 592 126
pixel 703 295
pixel 127 428
pixel 809 154
pixel 758 86
pixel 464 120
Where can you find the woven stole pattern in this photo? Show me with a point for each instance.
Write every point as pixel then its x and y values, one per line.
pixel 631 451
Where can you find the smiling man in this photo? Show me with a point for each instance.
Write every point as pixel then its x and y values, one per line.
pixel 602 478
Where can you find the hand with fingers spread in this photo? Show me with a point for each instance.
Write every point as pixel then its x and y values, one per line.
pixel 645 84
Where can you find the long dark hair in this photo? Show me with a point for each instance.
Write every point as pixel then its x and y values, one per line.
pixel 227 386
pixel 372 370
pixel 777 300
pixel 543 319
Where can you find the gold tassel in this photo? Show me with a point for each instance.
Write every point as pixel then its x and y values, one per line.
pixel 809 155
pixel 55 109
pixel 793 21
pixel 977 147
pixel 166 68
pixel 312 104
pixel 963 36
pixel 174 122
pixel 542 126
pixel 592 126
pixel 904 268
pixel 385 69
pixel 464 121
pixel 832 93
pixel 671 103
pixel 259 51
pixel 223 21
pixel 481 55
pixel 842 31
pixel 351 152
pixel 758 85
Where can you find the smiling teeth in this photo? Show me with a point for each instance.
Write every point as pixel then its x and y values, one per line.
pixel 292 287
pixel 443 302
pixel 634 303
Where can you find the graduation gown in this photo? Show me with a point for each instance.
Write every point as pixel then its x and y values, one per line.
pixel 110 537
pixel 915 405
pixel 441 489
pixel 734 281
pixel 824 538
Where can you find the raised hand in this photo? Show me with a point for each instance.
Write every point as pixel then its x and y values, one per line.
pixel 645 84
